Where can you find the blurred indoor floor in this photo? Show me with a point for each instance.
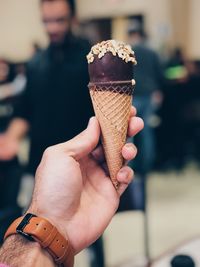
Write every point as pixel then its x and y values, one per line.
pixel 174 217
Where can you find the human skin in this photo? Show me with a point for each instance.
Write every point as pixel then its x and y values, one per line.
pixel 74 192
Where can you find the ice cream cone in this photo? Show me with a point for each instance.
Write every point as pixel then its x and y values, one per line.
pixel 112 103
pixel 110 66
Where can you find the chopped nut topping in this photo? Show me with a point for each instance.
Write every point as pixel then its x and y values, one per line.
pixel 117 48
pixel 133 82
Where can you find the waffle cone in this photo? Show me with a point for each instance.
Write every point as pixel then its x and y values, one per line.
pixel 112 108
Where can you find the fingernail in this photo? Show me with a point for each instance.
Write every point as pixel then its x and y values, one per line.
pixel 90 121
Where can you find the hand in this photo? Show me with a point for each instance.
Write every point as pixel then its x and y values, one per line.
pixel 72 189
pixel 9 147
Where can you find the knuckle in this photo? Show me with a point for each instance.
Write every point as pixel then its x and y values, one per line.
pixel 48 152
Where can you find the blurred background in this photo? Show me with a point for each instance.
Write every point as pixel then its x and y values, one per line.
pixel 159 216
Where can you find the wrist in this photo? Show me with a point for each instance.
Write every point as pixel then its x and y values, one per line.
pixel 57 223
pixel 23 250
pixel 46 234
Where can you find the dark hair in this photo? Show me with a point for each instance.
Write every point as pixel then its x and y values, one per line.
pixel 70 2
pixel 136 30
pixel 182 261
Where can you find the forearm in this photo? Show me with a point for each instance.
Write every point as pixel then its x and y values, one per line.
pixel 5 91
pixel 13 88
pixel 17 251
pixel 18 128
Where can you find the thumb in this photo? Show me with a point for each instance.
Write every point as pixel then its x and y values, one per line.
pixel 85 142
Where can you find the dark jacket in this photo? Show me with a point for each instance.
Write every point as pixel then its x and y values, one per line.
pixel 56 101
pixel 148 72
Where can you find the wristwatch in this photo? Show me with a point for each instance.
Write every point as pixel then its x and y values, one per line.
pixel 39 229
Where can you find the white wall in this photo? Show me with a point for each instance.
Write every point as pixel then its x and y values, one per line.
pixel 156 12
pixel 107 8
pixel 158 22
pixel 167 21
pixel 20 26
pixel 194 29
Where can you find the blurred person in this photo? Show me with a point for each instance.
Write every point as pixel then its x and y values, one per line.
pixel 176 74
pixel 190 113
pixel 56 104
pixel 71 179
pixel 182 115
pixel 11 87
pixel 182 261
pixel 36 49
pixel 177 58
pixel 4 71
pixel 175 70
pixel 148 76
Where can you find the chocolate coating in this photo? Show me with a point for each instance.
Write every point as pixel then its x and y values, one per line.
pixel 110 68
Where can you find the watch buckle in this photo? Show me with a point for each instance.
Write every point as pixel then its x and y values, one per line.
pixel 23 224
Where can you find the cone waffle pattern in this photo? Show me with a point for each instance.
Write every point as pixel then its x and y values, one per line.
pixel 112 105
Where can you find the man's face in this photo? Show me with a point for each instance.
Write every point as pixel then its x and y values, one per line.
pixel 56 16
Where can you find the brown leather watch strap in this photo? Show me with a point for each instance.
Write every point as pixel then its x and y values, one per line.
pixel 47 235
